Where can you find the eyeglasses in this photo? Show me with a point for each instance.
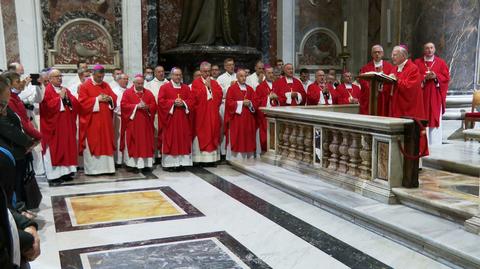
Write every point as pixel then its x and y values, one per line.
pixel 57 76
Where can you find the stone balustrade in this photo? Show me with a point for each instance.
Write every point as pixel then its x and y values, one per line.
pixel 360 153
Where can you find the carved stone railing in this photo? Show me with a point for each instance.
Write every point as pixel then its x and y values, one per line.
pixel 358 152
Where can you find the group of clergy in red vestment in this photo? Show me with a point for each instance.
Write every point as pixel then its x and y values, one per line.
pixel 190 125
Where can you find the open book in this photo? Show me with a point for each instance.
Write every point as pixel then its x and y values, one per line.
pixel 382 75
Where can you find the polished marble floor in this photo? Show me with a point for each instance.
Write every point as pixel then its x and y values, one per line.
pixel 202 218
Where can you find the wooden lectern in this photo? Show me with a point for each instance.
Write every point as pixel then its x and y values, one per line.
pixel 376 80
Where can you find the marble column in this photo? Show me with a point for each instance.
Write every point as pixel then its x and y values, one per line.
pixel 30 39
pixel 132 36
pixel 3 52
pixel 152 32
pixel 265 29
pixel 286 30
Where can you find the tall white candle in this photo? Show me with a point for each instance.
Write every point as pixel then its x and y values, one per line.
pixel 345 33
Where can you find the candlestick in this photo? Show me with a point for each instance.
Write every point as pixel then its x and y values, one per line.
pixel 345 23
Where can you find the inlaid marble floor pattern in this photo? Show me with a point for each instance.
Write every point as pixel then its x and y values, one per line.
pixel 202 218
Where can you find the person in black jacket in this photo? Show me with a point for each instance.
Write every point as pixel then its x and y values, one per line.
pixel 19 240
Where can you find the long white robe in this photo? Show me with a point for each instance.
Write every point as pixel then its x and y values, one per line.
pixel 225 80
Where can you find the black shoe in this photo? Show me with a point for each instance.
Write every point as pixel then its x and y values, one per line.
pixel 55 182
pixel 67 178
pixel 133 170
pixel 169 169
pixel 117 166
pixel 147 170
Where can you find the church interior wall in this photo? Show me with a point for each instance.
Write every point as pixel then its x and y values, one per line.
pixel 10 31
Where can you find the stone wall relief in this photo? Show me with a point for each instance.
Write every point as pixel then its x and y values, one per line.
pixel 83 39
pixel 319 49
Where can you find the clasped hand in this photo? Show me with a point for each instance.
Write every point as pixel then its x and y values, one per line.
pixel 105 98
pixel 247 103
pixel 178 102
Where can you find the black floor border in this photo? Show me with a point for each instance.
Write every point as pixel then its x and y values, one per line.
pixel 63 222
pixel 71 258
pixel 328 244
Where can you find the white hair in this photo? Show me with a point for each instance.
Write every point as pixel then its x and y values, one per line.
pixel 377 46
pixel 402 50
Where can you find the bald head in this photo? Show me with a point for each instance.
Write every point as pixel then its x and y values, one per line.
pixel 138 83
pixel 176 75
pixel 288 70
pixel 241 76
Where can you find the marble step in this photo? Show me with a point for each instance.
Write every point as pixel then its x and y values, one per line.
pixel 456 157
pixel 436 237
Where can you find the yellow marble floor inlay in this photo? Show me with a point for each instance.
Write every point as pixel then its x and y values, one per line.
pixel 93 209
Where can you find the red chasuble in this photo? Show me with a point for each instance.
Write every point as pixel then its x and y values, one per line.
pixel 434 91
pixel 261 97
pixel 343 94
pixel 96 127
pixel 241 127
pixel 177 131
pixel 138 132
pixel 206 117
pixel 407 98
pixel 313 95
pixel 383 101
pixel 59 128
pixel 280 87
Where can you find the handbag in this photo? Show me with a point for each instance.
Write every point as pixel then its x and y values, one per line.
pixel 33 196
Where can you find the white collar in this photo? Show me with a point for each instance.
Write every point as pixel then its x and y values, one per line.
pixel 95 83
pixel 401 66
pixel 243 87
pixel 269 83
pixel 157 80
pixel 176 85
pixel 429 59
pixel 348 85
pixel 57 89
pixel 15 91
pixel 289 80
pixel 378 64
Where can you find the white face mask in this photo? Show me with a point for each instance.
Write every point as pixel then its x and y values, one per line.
pixel 149 77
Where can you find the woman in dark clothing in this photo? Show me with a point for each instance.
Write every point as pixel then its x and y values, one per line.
pixel 13 139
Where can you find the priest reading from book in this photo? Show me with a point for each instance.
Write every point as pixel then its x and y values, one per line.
pixel 407 94
pixel 264 97
pixel 318 93
pixel 58 125
pixel 347 93
pixel 137 136
pixel 96 137
pixel 289 89
pixel 240 125
pixel 436 77
pixel 174 105
pixel 207 95
pixel 377 65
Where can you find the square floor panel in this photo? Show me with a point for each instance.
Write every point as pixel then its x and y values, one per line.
pixel 209 250
pixel 93 210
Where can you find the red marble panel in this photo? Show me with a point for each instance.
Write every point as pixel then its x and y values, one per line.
pixel 10 30
pixel 105 8
pixel 169 16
